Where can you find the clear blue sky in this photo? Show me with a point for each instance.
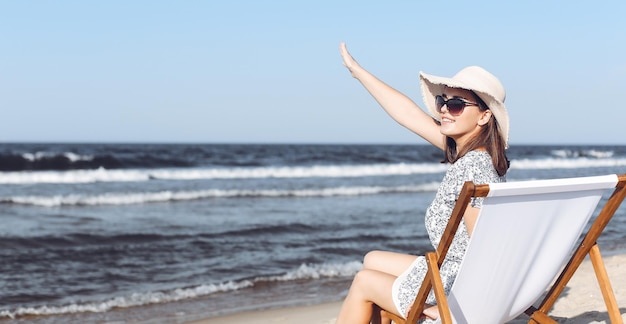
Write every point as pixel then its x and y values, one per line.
pixel 270 71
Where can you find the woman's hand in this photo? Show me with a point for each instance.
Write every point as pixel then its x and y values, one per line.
pixel 431 312
pixel 348 61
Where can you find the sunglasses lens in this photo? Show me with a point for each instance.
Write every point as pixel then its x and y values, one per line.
pixel 439 102
pixel 455 106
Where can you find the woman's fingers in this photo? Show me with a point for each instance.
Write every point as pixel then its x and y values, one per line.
pixel 348 60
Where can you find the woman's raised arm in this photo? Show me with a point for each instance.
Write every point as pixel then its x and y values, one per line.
pixel 400 107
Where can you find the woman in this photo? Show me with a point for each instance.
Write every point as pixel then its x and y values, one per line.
pixel 470 124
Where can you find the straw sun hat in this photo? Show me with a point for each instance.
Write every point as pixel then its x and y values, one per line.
pixel 484 84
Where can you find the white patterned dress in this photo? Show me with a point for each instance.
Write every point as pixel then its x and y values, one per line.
pixel 475 166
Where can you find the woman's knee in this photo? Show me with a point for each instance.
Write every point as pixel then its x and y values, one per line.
pixel 359 282
pixel 373 259
pixel 388 262
pixel 372 286
pixel 364 279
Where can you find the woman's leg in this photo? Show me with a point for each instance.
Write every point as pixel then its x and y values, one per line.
pixel 388 262
pixel 372 285
pixel 369 287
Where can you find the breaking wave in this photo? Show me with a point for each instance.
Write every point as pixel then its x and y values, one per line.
pixel 170 196
pixel 329 171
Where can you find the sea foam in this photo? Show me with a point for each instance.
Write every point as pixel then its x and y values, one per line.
pixel 170 196
pixel 129 175
pixel 316 171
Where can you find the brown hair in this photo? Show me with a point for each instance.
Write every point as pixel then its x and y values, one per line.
pixel 489 138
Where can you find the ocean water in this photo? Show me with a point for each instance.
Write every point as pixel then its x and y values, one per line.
pixel 175 232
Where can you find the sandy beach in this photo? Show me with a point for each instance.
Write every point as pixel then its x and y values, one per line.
pixel 581 302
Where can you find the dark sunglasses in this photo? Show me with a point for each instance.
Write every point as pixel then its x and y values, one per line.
pixel 455 105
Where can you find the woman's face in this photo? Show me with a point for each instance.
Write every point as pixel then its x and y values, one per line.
pixel 466 125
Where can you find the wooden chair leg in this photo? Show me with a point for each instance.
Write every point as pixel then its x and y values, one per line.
pixel 376 314
pixel 381 316
pixel 440 295
pixel 605 284
pixel 540 318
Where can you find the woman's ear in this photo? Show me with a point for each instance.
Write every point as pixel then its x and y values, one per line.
pixel 484 118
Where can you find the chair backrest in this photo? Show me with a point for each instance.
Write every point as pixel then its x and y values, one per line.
pixel 525 233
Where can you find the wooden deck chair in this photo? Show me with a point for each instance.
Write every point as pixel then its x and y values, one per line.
pixel 524 236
